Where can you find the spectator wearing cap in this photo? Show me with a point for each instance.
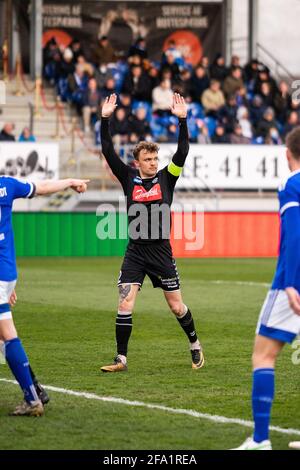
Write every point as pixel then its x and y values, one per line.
pixel 237 137
pixel 264 77
pixel 266 123
pixel 220 136
pixel 213 98
pixel 218 70
pixel 104 53
pixel 233 82
pixel 137 84
pixel 6 134
pixel 199 83
pixel 162 98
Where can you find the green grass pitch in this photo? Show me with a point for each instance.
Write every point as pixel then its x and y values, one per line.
pixel 65 317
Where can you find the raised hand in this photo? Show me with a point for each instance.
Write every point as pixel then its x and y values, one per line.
pixel 109 105
pixel 179 106
pixel 80 186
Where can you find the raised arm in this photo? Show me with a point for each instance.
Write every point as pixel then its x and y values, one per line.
pixel 116 165
pixel 179 109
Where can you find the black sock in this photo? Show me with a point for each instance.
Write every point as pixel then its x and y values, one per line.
pixel 123 332
pixel 187 324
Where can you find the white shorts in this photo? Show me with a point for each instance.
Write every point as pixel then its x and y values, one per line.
pixel 6 289
pixel 277 320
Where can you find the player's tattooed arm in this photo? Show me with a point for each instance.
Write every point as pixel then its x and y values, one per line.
pixel 124 290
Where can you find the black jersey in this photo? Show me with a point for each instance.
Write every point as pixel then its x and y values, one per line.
pixel 149 199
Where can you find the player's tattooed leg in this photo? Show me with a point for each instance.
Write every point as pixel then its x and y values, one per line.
pixel 124 290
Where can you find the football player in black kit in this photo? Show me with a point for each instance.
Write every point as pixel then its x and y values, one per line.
pixel 149 195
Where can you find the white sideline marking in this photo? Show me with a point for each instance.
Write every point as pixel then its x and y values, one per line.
pixel 239 283
pixel 151 406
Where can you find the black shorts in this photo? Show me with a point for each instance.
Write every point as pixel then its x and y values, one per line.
pixel 155 260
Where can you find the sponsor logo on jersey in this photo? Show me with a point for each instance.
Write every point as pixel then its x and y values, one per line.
pixel 141 195
pixel 138 180
pixel 3 192
pixel 155 180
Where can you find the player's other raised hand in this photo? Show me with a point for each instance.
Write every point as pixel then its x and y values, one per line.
pixel 179 106
pixel 109 105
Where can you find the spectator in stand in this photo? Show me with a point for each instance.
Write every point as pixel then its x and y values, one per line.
pixel 237 136
pixel 281 101
pixel 205 64
pixel 228 114
pixel 171 65
pixel 267 122
pixel 251 72
pixel 67 66
pixel 91 101
pixel 153 74
pixel 108 89
pixel 295 105
pixel 292 122
pixel 233 82
pixel 76 49
pixel 102 74
pixel 203 134
pixel 77 83
pixel 241 97
pixel 104 52
pixel 244 122
pixel 6 135
pixel 235 62
pixel 26 136
pixel 119 127
pixel 162 98
pixel 139 48
pixel 220 136
pixel 87 67
pixel 273 137
pixel 213 98
pixel 125 103
pixel 265 77
pixel 184 85
pixel 139 127
pixel 199 83
pixel 137 84
pixel 218 70
pixel 266 94
pixel 176 53
pixel 256 110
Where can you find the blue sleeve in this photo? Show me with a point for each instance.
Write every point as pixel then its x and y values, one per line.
pixel 291 221
pixel 22 189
